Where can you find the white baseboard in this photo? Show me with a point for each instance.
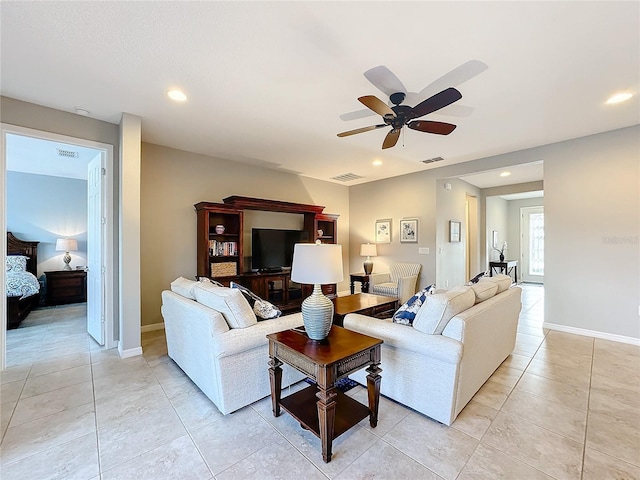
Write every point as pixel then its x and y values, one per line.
pixel 592 333
pixel 131 352
pixel 152 327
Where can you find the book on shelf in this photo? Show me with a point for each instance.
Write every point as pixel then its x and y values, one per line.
pixel 223 249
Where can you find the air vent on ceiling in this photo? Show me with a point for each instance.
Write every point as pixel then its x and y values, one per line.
pixel 67 153
pixel 432 160
pixel 347 177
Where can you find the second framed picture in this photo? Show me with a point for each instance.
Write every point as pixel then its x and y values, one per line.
pixel 409 230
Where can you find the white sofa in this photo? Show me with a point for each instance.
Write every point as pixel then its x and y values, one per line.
pixel 229 365
pixel 469 333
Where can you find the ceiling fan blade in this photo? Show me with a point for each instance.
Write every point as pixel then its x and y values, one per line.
pixel 439 128
pixel 361 130
pixel 384 80
pixel 455 77
pixel 449 111
pixel 391 139
pixel 357 115
pixel 377 105
pixel 438 101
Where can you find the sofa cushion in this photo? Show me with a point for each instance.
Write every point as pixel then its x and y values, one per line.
pixel 407 312
pixel 484 290
pixel 264 310
pixel 503 281
pixel 230 302
pixel 438 309
pixel 184 286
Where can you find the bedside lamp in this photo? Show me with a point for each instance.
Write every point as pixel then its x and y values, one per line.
pixel 66 245
pixel 368 250
pixel 317 264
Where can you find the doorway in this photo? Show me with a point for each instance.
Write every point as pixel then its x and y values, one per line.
pixel 104 298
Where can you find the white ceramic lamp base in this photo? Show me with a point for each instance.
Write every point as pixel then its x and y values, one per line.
pixel 317 314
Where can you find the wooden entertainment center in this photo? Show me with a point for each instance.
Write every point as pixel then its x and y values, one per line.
pixel 221 250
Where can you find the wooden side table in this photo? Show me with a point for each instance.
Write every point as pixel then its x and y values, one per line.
pixel 323 409
pixel 66 286
pixel 363 278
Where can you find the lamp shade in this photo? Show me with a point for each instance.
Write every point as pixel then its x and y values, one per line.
pixel 368 250
pixel 317 264
pixel 66 245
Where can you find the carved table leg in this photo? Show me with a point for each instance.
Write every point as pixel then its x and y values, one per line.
pixel 275 379
pixel 373 391
pixel 326 419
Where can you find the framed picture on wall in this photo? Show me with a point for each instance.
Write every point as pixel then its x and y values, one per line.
pixel 454 231
pixel 409 230
pixel 383 231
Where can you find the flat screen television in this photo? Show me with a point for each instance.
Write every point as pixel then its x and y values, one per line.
pixel 272 249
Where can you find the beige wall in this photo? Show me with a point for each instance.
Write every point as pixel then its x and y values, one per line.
pixel 173 181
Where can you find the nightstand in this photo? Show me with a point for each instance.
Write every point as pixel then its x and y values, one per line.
pixel 66 286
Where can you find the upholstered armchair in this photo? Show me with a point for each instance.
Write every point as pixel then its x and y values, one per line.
pixel 400 282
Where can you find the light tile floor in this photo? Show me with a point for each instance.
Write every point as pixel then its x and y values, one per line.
pixel 561 406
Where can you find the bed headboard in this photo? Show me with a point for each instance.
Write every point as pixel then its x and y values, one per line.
pixel 15 246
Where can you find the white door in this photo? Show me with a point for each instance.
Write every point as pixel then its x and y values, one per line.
pixel 532 247
pixel 95 240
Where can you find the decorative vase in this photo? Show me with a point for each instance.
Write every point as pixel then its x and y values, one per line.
pixel 502 257
pixel 219 229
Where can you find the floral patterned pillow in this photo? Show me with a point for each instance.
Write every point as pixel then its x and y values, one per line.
pixel 17 263
pixel 407 312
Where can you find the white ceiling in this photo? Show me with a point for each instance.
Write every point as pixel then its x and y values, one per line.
pixel 267 81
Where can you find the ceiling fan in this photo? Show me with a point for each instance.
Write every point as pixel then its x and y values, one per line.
pixel 397 115
pixel 400 115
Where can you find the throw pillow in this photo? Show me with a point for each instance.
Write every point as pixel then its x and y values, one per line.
pixel 184 286
pixel 442 307
pixel 264 310
pixel 209 280
pixel 477 278
pixel 228 301
pixel 484 290
pixel 407 312
pixel 503 281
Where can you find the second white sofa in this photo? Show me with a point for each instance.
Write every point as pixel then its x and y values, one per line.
pixel 470 333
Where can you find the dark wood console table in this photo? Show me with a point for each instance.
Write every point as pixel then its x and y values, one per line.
pixel 321 408
pixel 363 278
pixel 506 267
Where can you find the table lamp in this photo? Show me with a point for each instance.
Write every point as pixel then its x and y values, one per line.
pixel 368 250
pixel 66 245
pixel 317 264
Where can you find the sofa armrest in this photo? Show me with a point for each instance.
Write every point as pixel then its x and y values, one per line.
pixel 376 278
pixel 238 340
pixel 405 337
pixel 406 288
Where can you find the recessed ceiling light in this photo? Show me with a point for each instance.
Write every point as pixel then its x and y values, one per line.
pixel 505 174
pixel 81 111
pixel 619 97
pixel 377 163
pixel 177 95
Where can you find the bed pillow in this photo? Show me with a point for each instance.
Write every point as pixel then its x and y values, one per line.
pixel 407 312
pixel 438 309
pixel 17 263
pixel 264 310
pixel 184 286
pixel 230 302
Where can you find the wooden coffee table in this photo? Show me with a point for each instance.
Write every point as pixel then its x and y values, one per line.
pixel 365 303
pixel 323 409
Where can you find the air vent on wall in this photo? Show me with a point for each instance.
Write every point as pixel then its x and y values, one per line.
pixel 347 177
pixel 67 153
pixel 432 160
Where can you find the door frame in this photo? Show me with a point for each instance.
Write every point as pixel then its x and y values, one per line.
pixel 108 211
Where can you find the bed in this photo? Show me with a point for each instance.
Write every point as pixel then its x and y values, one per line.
pixel 23 288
